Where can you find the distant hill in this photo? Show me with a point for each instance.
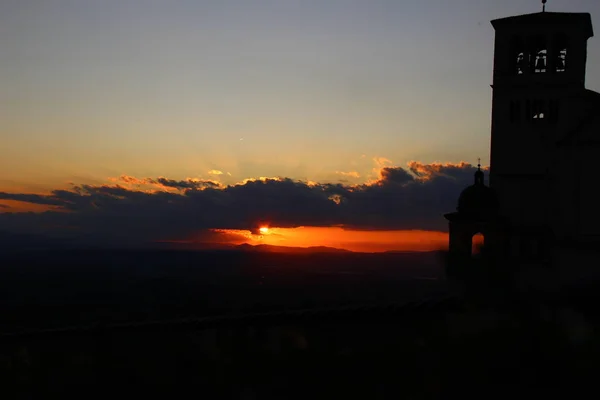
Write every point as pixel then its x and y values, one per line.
pixel 203 246
pixel 288 249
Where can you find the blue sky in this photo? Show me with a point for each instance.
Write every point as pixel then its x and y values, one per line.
pixel 302 89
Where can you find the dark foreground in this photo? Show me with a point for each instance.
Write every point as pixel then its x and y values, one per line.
pixel 54 289
pixel 304 338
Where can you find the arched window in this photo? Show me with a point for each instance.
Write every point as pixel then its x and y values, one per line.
pixel 477 243
pixel 541 61
pixel 536 109
pixel 517 49
pixel 539 55
pixel 560 49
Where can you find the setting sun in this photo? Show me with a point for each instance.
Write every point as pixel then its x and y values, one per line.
pixel 263 230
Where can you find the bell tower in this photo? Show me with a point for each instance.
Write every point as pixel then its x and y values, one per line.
pixel 539 66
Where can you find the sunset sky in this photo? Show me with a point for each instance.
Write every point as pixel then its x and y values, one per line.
pixel 145 120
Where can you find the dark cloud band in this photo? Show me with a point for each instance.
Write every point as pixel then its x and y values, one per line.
pixel 412 198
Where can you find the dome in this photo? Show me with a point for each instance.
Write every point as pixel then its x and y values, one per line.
pixel 478 199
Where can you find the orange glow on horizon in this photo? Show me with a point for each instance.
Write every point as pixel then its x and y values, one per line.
pixel 340 238
pixel 15 206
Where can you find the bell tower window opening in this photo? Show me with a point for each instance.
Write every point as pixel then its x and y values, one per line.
pixel 541 60
pixel 562 61
pixel 520 63
pixel 561 46
pixel 539 55
pixel 518 55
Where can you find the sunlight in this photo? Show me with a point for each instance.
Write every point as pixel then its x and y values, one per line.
pixel 263 230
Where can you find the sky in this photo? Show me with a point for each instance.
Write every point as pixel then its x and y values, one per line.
pixel 100 94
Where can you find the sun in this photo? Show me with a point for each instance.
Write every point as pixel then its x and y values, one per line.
pixel 263 229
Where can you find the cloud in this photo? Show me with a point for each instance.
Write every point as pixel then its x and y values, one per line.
pixel 393 176
pixel 162 183
pixel 185 184
pixel 415 197
pixel 350 174
pixel 215 172
pixel 381 161
pixel 130 179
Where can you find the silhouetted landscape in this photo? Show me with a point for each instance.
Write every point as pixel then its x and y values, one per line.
pixel 239 323
pixel 52 289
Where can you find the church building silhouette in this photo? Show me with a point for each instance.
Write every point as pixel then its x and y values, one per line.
pixel 542 197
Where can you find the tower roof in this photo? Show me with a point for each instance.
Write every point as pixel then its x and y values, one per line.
pixel 478 200
pixel 553 19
